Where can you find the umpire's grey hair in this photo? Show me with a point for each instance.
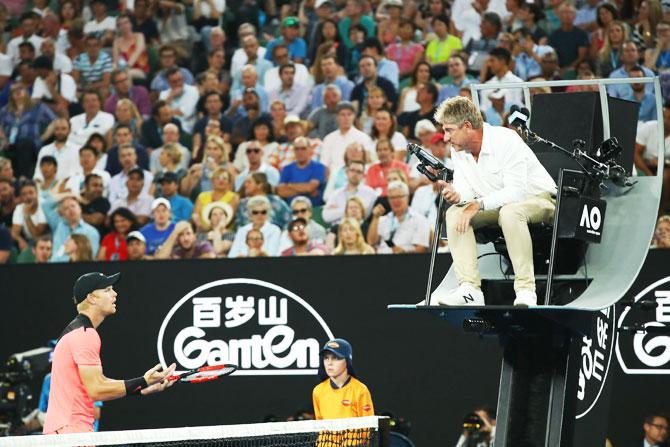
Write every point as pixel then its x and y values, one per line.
pixel 258 202
pixel 334 88
pixel 400 186
pixel 302 199
pixel 457 111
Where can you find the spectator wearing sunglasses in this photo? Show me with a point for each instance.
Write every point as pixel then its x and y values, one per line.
pixel 256 164
pixel 301 208
pixel 258 209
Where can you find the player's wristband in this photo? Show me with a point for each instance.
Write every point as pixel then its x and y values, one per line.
pixel 135 386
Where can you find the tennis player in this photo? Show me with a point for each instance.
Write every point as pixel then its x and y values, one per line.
pixel 76 372
pixel 341 394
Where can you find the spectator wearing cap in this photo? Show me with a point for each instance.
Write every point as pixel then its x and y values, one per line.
pixel 65 152
pixel 280 56
pixel 258 209
pixel 156 232
pixel 293 95
pixel 181 98
pixel 88 159
pixel 290 32
pixel 136 200
pixel 64 218
pixel 93 120
pixel 301 245
pixel 255 156
pixel 426 96
pixel 331 76
pixel 128 161
pixel 92 68
pixel 136 246
pixel 440 49
pixel 242 125
pixel 323 120
pixel 183 244
pixel 370 78
pixel 386 68
pixel 29 26
pixel 570 42
pixel 113 247
pixel 354 15
pixel 402 230
pixel 182 208
pixel 334 209
pixel 94 206
pixel 55 89
pixel 252 54
pixel 249 79
pixel 458 78
pixel 336 142
pixel 124 89
pixel 499 62
pixel 495 114
pixel 304 176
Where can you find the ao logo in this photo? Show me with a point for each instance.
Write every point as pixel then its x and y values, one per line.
pixel 263 328
pixel 645 353
pixel 591 219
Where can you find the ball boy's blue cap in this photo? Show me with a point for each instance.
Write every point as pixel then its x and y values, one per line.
pixel 342 349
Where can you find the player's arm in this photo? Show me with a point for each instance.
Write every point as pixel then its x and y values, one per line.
pixel 102 388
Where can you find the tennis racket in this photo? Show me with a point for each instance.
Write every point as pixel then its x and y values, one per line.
pixel 204 374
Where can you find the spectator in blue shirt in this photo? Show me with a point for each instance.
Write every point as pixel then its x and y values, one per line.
pixel 297 48
pixel 168 59
pixel 158 231
pixel 66 221
pixel 304 176
pixel 638 93
pixel 181 207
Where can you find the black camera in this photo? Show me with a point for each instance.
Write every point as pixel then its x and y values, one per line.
pixel 16 383
pixel 472 423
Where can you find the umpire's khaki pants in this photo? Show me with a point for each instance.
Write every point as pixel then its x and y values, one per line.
pixel 513 218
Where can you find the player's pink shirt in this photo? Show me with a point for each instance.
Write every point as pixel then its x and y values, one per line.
pixel 69 403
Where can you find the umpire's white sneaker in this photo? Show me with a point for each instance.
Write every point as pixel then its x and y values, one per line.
pixel 525 297
pixel 463 295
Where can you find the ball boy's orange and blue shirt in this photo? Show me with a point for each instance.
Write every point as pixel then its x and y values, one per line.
pixel 352 400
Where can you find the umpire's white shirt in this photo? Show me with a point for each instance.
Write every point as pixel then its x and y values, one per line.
pixel 507 170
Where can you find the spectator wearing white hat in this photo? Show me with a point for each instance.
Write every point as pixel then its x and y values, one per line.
pixel 499 107
pixel 136 245
pixel 216 219
pixel 156 232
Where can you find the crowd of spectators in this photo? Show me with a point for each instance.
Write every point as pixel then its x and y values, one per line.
pixel 140 129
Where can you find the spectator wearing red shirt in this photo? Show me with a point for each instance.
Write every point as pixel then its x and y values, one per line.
pixel 113 245
pixel 376 177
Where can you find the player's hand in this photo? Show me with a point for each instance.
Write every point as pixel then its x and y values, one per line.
pixel 449 193
pixel 157 374
pixel 470 210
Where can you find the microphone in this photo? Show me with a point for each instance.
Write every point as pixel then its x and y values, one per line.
pixel 425 157
pixel 518 117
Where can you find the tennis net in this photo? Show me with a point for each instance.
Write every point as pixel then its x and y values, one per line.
pixel 369 431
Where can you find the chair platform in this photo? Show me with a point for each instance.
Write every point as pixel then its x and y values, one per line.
pixel 507 320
